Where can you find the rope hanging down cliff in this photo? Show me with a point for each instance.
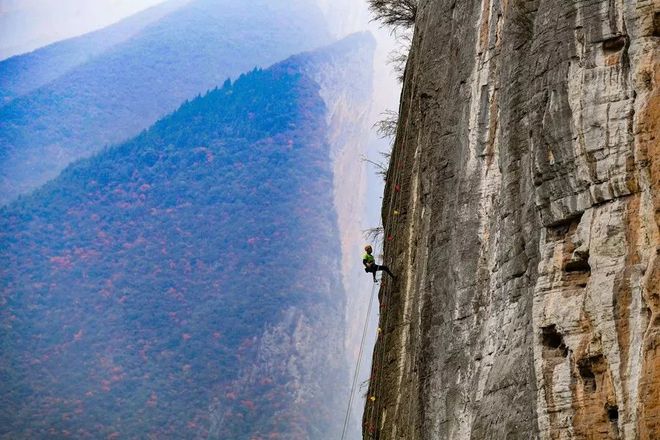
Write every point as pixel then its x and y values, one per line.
pixel 394 209
pixel 359 361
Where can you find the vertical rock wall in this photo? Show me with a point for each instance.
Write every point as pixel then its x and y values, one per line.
pixel 521 214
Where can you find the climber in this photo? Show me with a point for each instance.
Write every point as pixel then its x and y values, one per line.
pixel 370 265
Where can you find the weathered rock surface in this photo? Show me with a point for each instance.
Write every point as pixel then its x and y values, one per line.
pixel 526 178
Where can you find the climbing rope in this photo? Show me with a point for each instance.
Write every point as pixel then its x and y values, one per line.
pixel 359 361
pixel 394 210
pixel 379 359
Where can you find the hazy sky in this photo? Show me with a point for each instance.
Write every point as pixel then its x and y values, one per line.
pixel 28 24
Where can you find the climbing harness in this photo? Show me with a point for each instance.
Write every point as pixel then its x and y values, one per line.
pixel 359 361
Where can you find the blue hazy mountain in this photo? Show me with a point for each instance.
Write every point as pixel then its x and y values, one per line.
pixel 24 73
pixel 127 87
pixel 185 283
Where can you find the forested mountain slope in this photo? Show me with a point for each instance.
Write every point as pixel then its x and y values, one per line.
pixel 186 283
pixel 128 87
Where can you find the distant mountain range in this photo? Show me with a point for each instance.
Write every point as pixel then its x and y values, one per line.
pixel 70 99
pixel 185 283
pixel 20 75
pixel 26 25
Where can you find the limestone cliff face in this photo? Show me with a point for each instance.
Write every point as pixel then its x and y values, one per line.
pixel 521 212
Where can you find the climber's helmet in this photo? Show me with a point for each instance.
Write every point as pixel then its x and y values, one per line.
pixel 368 249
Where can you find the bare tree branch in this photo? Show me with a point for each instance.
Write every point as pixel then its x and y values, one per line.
pixel 386 127
pixel 373 235
pixel 381 168
pixel 398 57
pixel 394 13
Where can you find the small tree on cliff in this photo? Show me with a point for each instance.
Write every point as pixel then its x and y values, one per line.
pixel 400 16
pixel 394 13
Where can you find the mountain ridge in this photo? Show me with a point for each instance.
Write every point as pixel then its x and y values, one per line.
pixel 127 88
pixel 23 73
pixel 171 275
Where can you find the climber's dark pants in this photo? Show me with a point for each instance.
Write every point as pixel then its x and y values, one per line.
pixel 376 268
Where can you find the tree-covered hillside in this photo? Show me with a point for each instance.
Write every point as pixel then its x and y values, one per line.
pixel 129 86
pixel 150 291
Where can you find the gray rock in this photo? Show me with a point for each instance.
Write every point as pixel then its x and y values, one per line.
pixel 528 165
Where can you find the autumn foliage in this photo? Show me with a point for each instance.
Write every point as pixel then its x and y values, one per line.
pixel 134 288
